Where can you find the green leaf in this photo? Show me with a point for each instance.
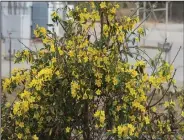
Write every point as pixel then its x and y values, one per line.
pixel 50 132
pixel 50 25
pixel 133 41
pixel 48 118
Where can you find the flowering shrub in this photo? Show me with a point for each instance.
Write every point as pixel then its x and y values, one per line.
pixel 82 86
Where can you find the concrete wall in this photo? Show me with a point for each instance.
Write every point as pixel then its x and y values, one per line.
pixel 15 24
pixel 11 27
pixel 25 30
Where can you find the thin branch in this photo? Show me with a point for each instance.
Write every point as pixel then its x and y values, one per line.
pixel 139 25
pixel 165 92
pixel 176 55
pixel 155 66
pixel 25 45
pixel 95 34
pixel 153 94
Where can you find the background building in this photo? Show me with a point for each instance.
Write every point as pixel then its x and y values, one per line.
pixel 16 22
pixel 39 15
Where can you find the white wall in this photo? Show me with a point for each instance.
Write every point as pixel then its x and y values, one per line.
pixel 11 27
pixel 18 25
pixel 52 7
pixel 25 30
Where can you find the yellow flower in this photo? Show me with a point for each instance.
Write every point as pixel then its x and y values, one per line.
pixel 132 118
pixel 118 108
pixel 100 114
pixel 98 92
pixel 85 9
pixel 182 113
pixel 140 63
pixel 122 130
pixel 140 30
pixel 60 51
pixel 26 52
pixel 85 96
pixel 137 19
pixel 107 78
pixel 134 73
pixel 36 33
pixel 52 48
pixel 98 82
pixel 71 53
pixel 137 39
pixel 154 109
pixel 74 93
pixel 19 135
pixel 117 5
pixel 47 72
pixel 67 129
pixel 168 128
pixel 25 106
pixel 92 5
pixel 120 38
pixel 145 78
pixel 45 40
pixel 7 104
pixel 102 5
pixel 172 103
pixel 53 60
pixel 85 59
pixel 25 94
pixel 136 104
pixel 131 129
pixel 6 84
pixel 105 28
pixel 147 120
pixel 98 75
pixel 166 104
pixel 102 118
pixel 128 19
pixel 57 73
pixel 113 10
pixel 75 85
pixel 21 124
pixel 1 130
pixel 35 137
pixel 132 91
pixel 43 31
pixel 174 81
pixel 54 14
pixel 153 80
pixel 77 8
pixel 16 107
pixel 115 81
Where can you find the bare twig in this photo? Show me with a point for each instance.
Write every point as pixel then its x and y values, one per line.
pixel 25 45
pixel 176 55
pixel 164 92
pixel 139 25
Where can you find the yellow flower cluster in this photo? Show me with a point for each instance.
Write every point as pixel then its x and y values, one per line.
pixel 124 130
pixel 100 115
pixel 41 31
pixel 71 77
pixel 74 87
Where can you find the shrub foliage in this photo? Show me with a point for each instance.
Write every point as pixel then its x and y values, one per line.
pixel 82 85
